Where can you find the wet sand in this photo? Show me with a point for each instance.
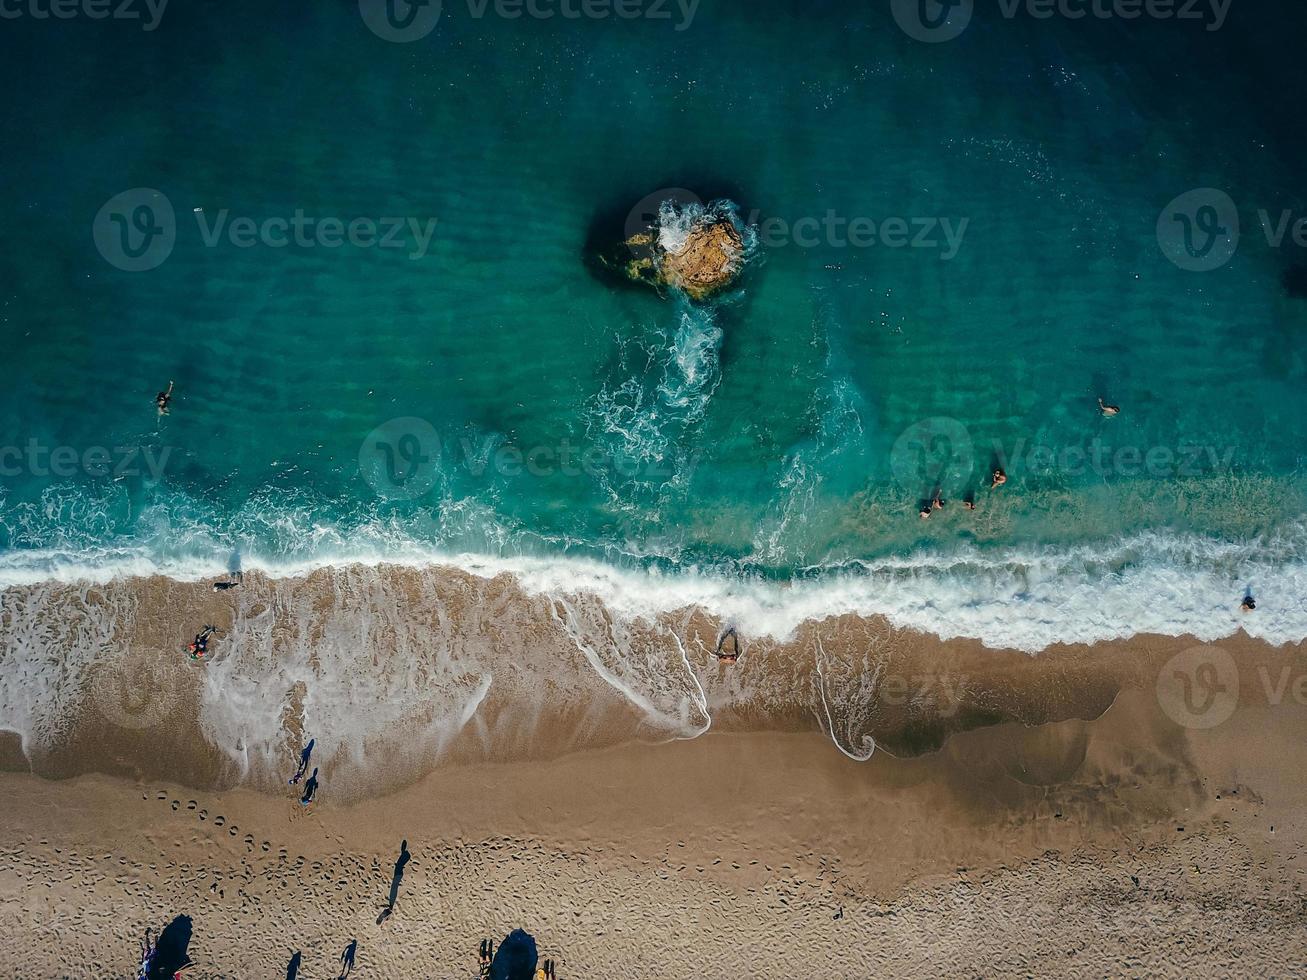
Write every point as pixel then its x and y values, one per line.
pixel 859 800
pixel 1122 846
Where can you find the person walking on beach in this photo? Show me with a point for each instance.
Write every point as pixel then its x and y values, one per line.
pixel 485 957
pixel 347 959
pixel 162 399
pixel 401 863
pixel 310 788
pixel 304 763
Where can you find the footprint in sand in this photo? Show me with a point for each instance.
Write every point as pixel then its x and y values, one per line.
pixel 191 804
pixel 265 847
pixel 161 795
pixel 204 814
pixel 219 820
pixel 176 804
pixel 249 840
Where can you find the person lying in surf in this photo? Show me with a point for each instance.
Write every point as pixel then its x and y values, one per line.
pixel 1248 604
pixel 734 655
pixel 162 399
pixel 1108 410
pixel 200 645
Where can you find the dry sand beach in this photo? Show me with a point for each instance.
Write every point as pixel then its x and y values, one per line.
pixel 1132 809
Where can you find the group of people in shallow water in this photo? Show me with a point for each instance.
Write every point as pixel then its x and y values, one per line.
pixel 998 477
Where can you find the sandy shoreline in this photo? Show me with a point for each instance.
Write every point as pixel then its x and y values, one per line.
pixel 397 672
pixel 1012 851
pixel 1132 808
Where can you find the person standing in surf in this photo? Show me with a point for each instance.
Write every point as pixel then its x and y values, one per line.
pixel 304 763
pixel 310 789
pixel 721 654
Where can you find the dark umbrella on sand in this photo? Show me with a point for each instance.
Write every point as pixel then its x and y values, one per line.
pixel 170 952
pixel 516 958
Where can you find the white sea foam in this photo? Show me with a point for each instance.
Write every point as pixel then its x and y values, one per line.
pixel 1021 598
pixel 378 654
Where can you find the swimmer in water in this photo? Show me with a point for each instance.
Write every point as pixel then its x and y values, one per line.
pixel 925 511
pixel 162 399
pixel 999 479
pixel 1108 410
pixel 1248 604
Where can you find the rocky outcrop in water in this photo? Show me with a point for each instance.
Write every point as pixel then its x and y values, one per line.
pixel 695 249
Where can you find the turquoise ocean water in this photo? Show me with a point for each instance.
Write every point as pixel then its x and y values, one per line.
pixel 784 432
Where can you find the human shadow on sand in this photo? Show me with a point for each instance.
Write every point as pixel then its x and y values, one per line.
pixel 400 863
